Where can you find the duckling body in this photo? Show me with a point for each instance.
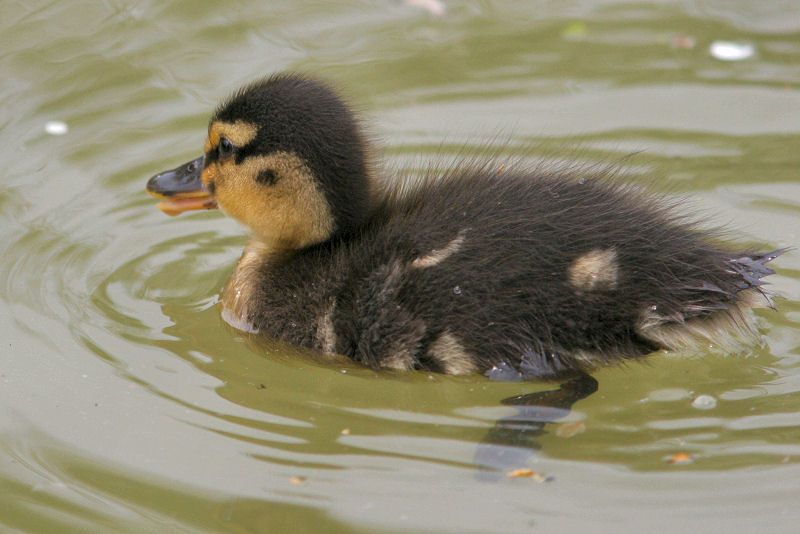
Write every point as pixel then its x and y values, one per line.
pixel 545 275
pixel 512 273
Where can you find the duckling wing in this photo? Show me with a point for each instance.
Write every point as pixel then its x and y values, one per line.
pixel 542 276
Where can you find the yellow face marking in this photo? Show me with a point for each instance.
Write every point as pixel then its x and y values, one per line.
pixel 239 133
pixel 290 214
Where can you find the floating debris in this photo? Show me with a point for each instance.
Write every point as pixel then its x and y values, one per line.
pixel 680 458
pixel 297 481
pixel 704 402
pixel 345 432
pixel 683 42
pixel 731 51
pixel 56 127
pixel 568 430
pixel 667 395
pixel 434 7
pixel 524 472
pixel 574 30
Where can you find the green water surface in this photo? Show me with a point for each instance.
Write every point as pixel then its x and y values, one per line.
pixel 126 405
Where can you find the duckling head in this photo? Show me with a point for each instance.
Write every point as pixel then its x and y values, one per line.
pixel 285 157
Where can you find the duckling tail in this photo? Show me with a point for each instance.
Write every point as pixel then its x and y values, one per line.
pixel 716 313
pixel 751 269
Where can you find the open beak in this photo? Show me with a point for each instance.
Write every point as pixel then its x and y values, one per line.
pixel 181 189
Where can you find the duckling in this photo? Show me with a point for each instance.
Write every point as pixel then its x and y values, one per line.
pixel 514 273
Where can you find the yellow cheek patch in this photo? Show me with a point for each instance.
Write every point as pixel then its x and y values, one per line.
pixel 292 213
pixel 239 133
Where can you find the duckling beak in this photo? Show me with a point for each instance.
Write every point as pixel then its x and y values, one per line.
pixel 181 189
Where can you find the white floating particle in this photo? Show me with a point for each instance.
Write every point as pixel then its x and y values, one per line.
pixel 56 127
pixel 731 51
pixel 434 7
pixel 668 395
pixel 704 402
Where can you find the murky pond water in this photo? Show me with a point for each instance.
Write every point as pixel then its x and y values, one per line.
pixel 128 406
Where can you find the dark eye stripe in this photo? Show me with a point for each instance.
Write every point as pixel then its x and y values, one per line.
pixel 267 177
pixel 239 154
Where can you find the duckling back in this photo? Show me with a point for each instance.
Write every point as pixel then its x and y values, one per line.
pixel 513 274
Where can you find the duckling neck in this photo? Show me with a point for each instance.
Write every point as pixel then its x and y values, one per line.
pixel 243 284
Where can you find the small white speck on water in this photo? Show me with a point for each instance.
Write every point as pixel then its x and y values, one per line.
pixel 668 395
pixel 434 7
pixel 457 290
pixel 56 127
pixel 582 181
pixel 731 51
pixel 704 402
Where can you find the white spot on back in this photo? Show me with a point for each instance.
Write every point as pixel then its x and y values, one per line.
pixel 597 269
pixel 450 354
pixel 438 255
pixel 401 360
pixel 326 335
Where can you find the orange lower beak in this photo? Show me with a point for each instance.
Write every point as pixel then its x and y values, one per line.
pixel 181 189
pixel 176 206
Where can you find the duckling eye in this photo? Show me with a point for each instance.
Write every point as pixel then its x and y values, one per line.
pixel 225 147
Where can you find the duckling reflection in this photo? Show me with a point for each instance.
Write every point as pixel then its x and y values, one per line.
pixel 512 440
pixel 465 272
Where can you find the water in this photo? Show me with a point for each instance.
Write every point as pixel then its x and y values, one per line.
pixel 128 406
